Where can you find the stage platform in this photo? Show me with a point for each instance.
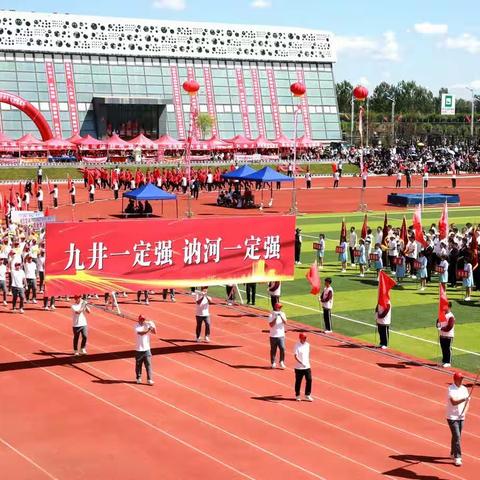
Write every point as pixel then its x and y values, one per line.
pixel 412 199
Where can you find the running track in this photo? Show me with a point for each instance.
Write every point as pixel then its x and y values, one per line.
pixel 216 409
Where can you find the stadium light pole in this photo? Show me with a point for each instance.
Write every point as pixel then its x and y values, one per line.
pixel 472 121
pixel 352 120
pixel 191 87
pixel 392 99
pixel 298 90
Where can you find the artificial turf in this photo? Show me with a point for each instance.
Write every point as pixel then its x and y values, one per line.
pixel 414 313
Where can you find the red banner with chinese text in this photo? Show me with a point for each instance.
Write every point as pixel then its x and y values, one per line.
pixel 92 257
pixel 53 96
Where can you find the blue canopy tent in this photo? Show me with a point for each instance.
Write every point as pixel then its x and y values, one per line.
pixel 240 173
pixel 150 192
pixel 268 175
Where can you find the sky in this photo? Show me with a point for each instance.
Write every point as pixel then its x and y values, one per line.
pixel 434 42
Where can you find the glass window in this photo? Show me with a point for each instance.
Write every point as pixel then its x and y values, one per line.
pixel 220 82
pixel 5 85
pixel 135 70
pixel 136 79
pixel 80 68
pixel 25 67
pixel 104 88
pixel 118 70
pixel 118 79
pixel 101 78
pixel 27 86
pixel 43 96
pixel 7 67
pixel 83 78
pixel 138 89
pixel 326 84
pixel 100 69
pixel 8 75
pixel 325 76
pixel 154 89
pixel 121 88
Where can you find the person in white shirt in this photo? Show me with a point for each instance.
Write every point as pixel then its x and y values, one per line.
pixel 79 326
pixel 54 192
pixel 143 354
pixel 457 406
pixel 383 317
pixel 3 278
pixel 26 200
pixel 40 199
pixel 202 313
pixel 277 321
pixel 352 243
pixel 446 332
pixel 398 183
pixel 326 299
pixel 18 285
pixel 91 192
pixel 301 353
pixel 41 270
pixel 73 193
pixel 30 268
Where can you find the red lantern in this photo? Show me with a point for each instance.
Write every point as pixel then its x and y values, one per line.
pixel 360 93
pixel 298 89
pixel 191 87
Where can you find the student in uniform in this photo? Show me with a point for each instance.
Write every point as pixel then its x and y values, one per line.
pixel 321 250
pixel 383 317
pixel 326 299
pixel 301 354
pixel 143 354
pixel 446 333
pixel 277 321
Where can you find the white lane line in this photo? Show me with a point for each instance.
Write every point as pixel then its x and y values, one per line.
pixel 122 410
pixel 27 458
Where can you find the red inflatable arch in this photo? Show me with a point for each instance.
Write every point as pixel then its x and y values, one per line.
pixel 27 108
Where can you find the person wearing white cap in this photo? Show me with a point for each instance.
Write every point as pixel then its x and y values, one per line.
pixel 457 405
pixel 143 355
pixel 302 368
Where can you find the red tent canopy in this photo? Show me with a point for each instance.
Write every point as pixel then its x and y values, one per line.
pixel 88 142
pixel 143 142
pixel 7 143
pixel 169 143
pixel 75 138
pixel 213 143
pixel 262 142
pixel 239 141
pixel 304 141
pixel 29 142
pixel 283 141
pixel 58 144
pixel 117 143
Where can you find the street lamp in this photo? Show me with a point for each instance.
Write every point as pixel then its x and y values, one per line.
pixel 472 122
pixel 191 87
pixel 392 99
pixel 298 90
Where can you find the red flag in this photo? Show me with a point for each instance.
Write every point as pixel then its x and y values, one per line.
pixel 47 212
pixel 385 230
pixel 364 227
pixel 442 304
pixel 474 249
pixel 334 167
pixel 314 279
pixel 417 225
pixel 343 232
pixel 443 223
pixel 385 284
pixel 403 232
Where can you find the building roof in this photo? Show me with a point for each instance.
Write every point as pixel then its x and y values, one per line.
pixel 81 34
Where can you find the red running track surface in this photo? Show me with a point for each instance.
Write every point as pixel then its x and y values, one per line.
pixel 217 410
pixel 322 198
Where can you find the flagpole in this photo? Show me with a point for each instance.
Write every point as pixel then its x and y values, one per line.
pixel 471 392
pixel 361 207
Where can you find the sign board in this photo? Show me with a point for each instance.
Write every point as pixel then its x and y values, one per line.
pixel 448 104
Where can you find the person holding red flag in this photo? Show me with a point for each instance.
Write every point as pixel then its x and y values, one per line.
pixel 326 299
pixel 446 327
pixel 383 310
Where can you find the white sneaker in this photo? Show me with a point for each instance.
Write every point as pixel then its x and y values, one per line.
pixel 328 331
pixel 83 351
pixel 352 264
pixel 298 398
pixel 362 275
pixel 383 347
pixel 274 365
pixel 446 365
pixel 198 339
pixel 413 277
pixel 422 289
pixel 458 461
pixel 21 310
pixel 46 308
pixel 34 301
pixel 52 307
pixel 76 353
pixel 282 365
pixel 151 382
pixel 124 294
pixel 467 299
pixel 147 302
pixel 5 302
pixel 343 270
pixel 139 380
pixel 207 338
pixel 308 398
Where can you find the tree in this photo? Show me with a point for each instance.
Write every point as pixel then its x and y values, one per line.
pixel 205 122
pixel 413 98
pixel 344 96
pixel 438 100
pixel 379 101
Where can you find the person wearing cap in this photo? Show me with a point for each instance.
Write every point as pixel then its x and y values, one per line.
pixel 19 282
pixel 79 327
pixel 143 354
pixel 326 298
pixel 298 246
pixel 446 332
pixel 301 353
pixel 457 406
pixel 277 321
pixel 202 313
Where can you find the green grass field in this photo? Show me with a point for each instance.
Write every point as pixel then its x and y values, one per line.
pixel 414 313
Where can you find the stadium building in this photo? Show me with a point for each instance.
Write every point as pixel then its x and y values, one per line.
pixel 95 75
